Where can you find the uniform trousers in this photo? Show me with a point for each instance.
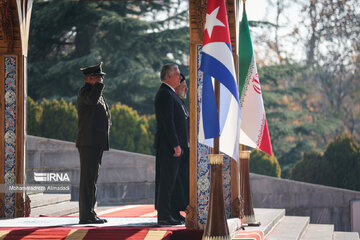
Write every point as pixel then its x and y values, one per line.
pixel 90 161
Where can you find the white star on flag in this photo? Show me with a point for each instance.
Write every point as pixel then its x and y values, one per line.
pixel 212 21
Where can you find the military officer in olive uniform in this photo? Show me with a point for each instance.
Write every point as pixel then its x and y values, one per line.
pixel 92 139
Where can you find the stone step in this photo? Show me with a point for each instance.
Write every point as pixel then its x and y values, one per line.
pixel 268 218
pixel 41 199
pixel 57 209
pixel 346 236
pixel 319 232
pixel 289 228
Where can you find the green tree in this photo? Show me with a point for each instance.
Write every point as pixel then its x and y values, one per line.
pixel 59 120
pixel 129 130
pixel 34 115
pixel 313 168
pixel 66 35
pixel 339 166
pixel 262 163
pixel 343 157
pixel 152 124
pixel 295 124
pixel 321 97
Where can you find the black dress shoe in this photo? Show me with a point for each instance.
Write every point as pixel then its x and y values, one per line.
pixel 179 217
pixel 168 221
pixel 91 221
pixel 101 219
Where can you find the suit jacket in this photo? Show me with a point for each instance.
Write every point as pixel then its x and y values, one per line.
pixel 171 131
pixel 180 198
pixel 187 117
pixel 171 119
pixel 93 117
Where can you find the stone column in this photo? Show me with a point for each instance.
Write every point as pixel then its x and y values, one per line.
pixel 14 25
pixel 199 163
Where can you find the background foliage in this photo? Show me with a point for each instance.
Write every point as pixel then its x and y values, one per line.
pixel 338 166
pixel 58 119
pixel 130 131
pixel 66 35
pixel 308 67
pixel 262 163
pixel 52 119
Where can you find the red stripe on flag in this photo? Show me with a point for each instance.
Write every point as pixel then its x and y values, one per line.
pixel 265 144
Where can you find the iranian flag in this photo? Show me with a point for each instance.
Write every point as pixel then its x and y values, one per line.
pixel 254 130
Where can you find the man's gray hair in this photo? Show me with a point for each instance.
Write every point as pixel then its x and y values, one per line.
pixel 167 68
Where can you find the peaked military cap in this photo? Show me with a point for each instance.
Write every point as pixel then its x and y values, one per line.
pixel 182 77
pixel 95 70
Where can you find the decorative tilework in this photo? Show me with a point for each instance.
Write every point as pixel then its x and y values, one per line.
pixel 9 132
pixel 203 167
pixel 227 184
pixel 203 184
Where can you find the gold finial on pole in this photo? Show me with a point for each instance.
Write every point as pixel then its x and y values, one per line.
pixel 244 1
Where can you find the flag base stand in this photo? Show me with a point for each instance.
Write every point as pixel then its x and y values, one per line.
pixel 249 216
pixel 250 221
pixel 216 238
pixel 216 223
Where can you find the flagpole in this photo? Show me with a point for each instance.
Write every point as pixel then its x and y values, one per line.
pixel 217 96
pixel 245 191
pixel 216 224
pixel 217 62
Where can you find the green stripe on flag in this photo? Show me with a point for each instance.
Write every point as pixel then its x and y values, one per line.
pixel 245 52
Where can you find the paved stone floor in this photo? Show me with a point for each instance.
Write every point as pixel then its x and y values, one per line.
pixel 73 220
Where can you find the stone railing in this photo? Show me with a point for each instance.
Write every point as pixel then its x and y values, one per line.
pixel 325 205
pixel 129 178
pixel 125 177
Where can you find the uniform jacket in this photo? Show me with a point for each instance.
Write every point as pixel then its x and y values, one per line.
pixel 93 117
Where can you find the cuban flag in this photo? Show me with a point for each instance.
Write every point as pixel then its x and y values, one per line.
pixel 217 63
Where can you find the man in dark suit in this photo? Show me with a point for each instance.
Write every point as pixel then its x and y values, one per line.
pixel 181 196
pixel 171 137
pixel 92 139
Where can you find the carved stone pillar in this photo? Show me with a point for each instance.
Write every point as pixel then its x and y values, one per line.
pixel 199 163
pixel 14 26
pixel 197 11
